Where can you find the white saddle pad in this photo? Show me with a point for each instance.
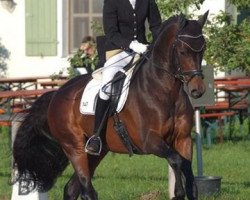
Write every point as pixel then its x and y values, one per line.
pixel 89 97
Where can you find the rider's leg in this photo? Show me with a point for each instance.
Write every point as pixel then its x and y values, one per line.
pixel 113 65
pixel 94 144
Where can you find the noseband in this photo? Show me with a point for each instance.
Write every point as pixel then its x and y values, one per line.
pixel 181 75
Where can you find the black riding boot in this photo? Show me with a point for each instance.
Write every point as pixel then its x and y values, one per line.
pixel 94 143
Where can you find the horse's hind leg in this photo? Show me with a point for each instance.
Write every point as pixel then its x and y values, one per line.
pixel 72 189
pixel 80 163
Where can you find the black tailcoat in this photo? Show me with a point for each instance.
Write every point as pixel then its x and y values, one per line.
pixel 123 24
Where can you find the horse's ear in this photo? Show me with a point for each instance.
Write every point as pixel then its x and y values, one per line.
pixel 202 20
pixel 182 21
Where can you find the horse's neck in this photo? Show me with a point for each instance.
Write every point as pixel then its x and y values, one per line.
pixel 156 82
pixel 162 54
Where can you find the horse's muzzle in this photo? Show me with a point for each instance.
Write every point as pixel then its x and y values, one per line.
pixel 196 93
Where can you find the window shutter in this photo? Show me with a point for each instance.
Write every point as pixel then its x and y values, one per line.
pixel 41 27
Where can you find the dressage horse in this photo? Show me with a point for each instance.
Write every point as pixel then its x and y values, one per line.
pixel 158 116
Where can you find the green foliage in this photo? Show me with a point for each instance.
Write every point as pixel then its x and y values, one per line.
pixel 169 7
pixel 58 75
pixel 80 59
pixel 97 27
pixel 241 3
pixel 4 55
pixel 228 45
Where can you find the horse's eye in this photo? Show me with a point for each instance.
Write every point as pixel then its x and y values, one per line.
pixel 182 52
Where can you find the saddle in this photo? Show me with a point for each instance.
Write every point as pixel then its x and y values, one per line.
pixel 119 92
pixel 120 89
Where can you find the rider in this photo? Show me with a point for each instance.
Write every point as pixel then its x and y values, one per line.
pixel 124 27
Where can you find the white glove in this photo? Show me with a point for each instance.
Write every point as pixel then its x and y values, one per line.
pixel 138 47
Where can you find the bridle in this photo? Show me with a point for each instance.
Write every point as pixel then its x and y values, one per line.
pixel 180 74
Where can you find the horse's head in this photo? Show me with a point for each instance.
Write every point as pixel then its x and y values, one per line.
pixel 184 45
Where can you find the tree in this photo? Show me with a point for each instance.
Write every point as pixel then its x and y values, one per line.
pixel 240 3
pixel 228 44
pixel 4 54
pixel 170 7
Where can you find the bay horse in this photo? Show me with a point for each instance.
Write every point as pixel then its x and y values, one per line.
pixel 158 116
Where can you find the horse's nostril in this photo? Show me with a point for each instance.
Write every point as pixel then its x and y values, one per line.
pixel 196 94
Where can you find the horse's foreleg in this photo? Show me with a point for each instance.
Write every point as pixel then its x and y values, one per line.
pixel 175 162
pixel 157 146
pixel 184 147
pixel 191 189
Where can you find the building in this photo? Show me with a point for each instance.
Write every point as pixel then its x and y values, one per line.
pixel 41 34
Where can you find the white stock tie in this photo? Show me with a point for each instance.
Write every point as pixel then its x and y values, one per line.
pixel 133 3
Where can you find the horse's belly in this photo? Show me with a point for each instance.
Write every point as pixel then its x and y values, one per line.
pixel 114 142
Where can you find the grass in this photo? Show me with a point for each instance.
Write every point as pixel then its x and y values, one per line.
pixel 5 164
pixel 120 177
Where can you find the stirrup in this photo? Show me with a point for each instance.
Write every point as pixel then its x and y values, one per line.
pixel 92 152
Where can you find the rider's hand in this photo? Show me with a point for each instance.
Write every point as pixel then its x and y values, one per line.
pixel 138 47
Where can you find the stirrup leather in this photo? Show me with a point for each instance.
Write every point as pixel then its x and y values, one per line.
pixel 100 146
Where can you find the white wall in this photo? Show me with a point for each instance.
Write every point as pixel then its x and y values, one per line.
pixel 214 6
pixel 12 34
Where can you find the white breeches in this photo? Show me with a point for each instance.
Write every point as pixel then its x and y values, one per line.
pixel 112 65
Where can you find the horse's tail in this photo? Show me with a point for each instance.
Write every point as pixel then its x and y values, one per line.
pixel 38 158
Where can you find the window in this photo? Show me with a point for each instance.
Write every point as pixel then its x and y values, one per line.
pixel 41 29
pixel 242 14
pixel 82 14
